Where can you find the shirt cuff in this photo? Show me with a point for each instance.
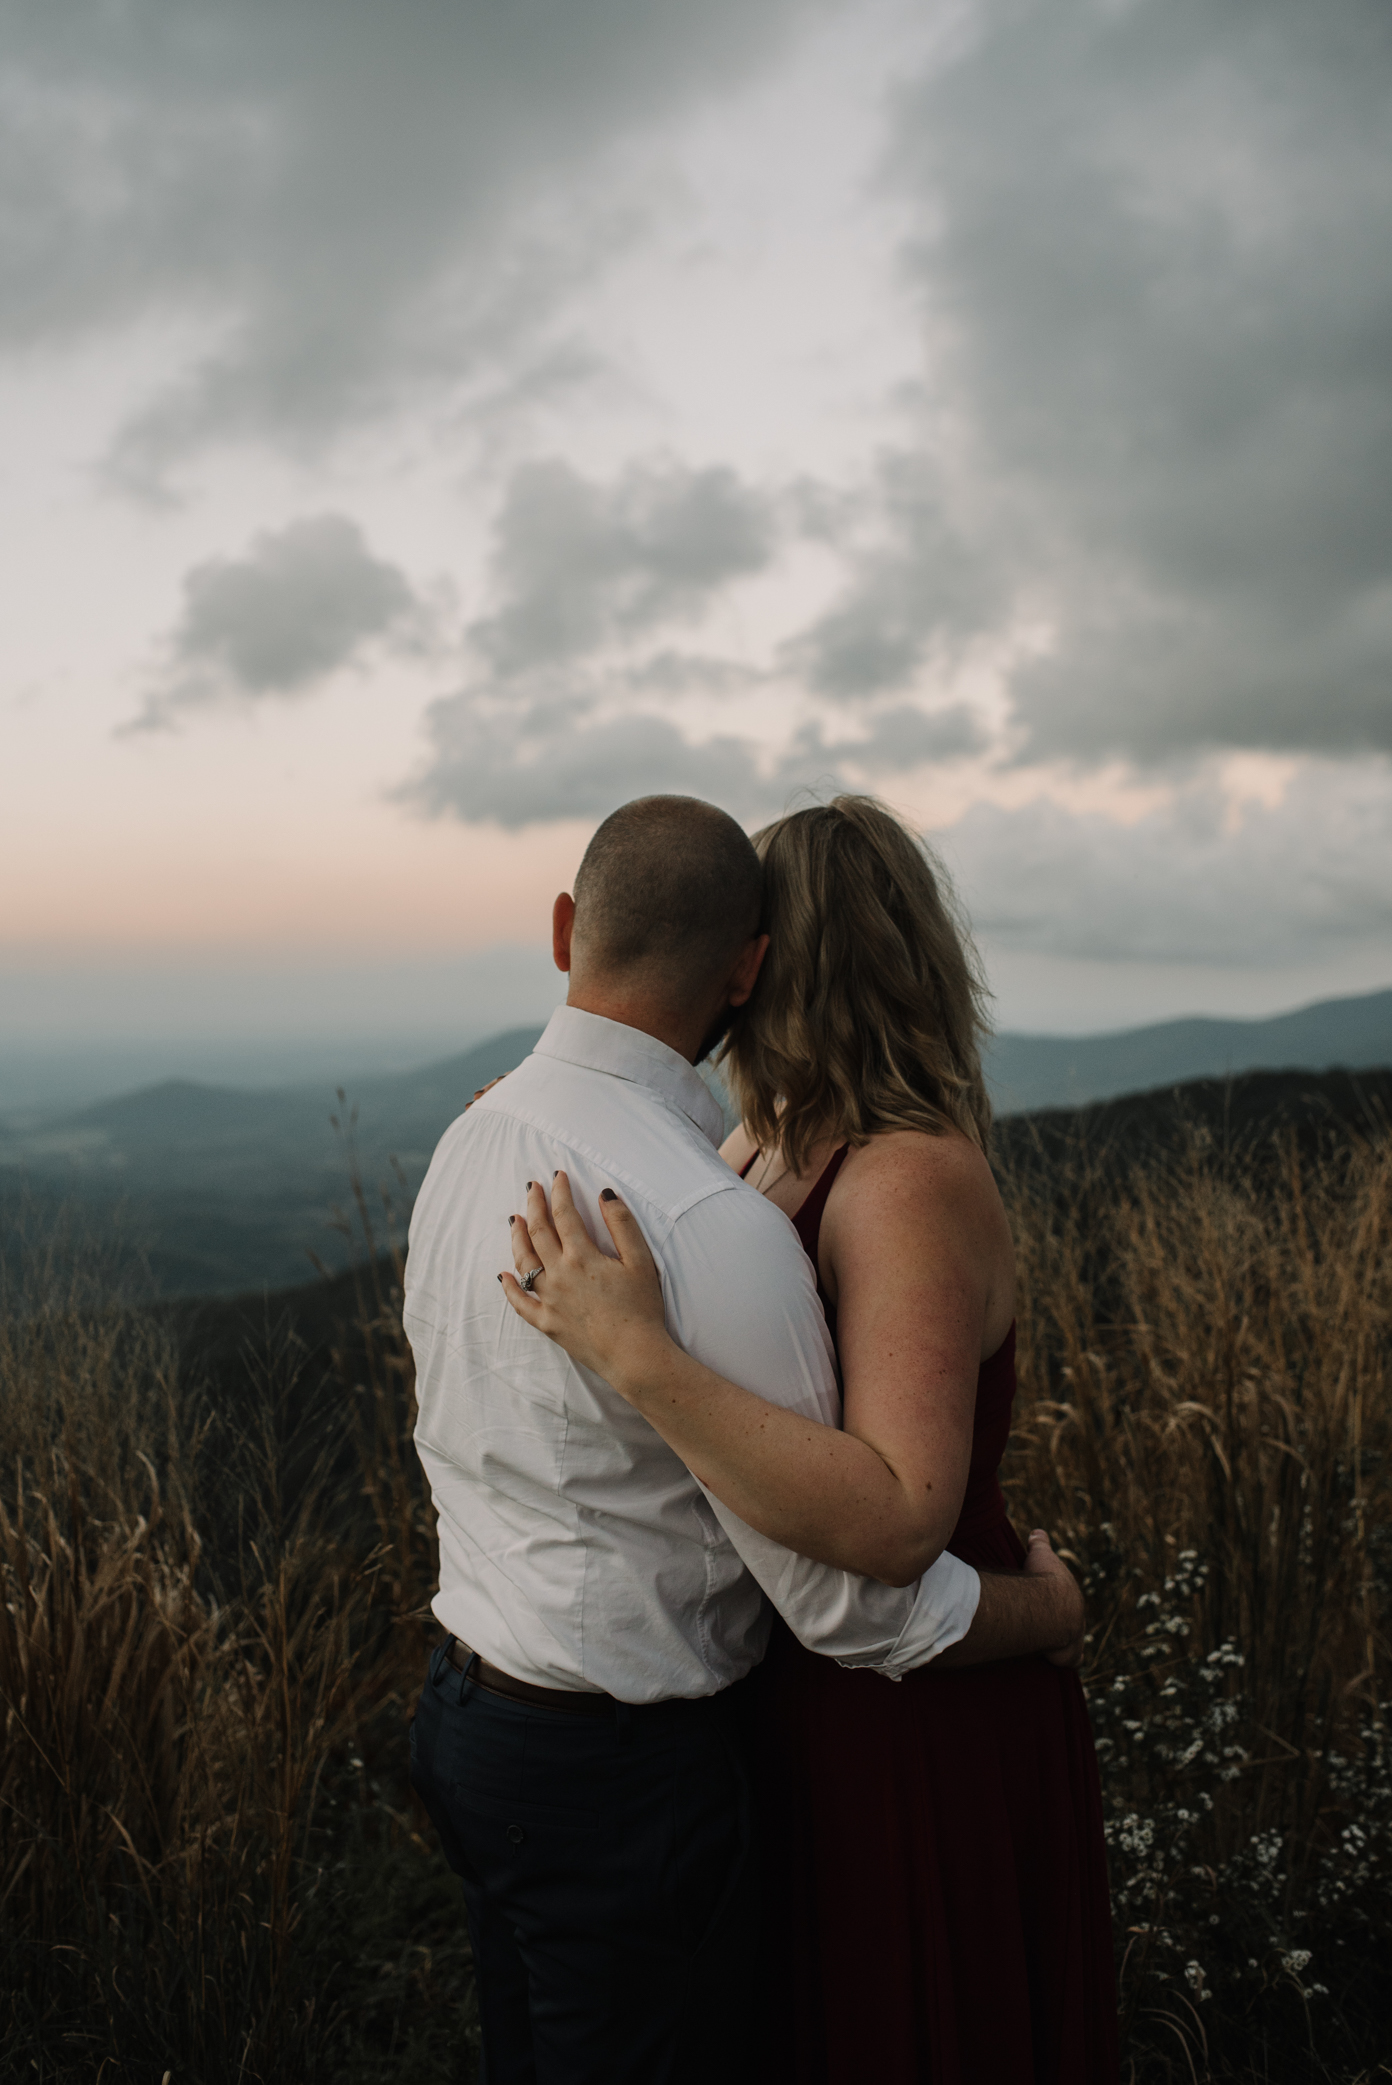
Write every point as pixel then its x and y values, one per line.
pixel 943 1611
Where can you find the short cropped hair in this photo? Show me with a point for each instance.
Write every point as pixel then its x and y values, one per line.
pixel 669 887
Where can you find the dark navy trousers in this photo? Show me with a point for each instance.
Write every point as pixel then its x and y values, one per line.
pixel 610 1881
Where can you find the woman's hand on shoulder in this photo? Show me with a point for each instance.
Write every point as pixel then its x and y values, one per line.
pixel 606 1313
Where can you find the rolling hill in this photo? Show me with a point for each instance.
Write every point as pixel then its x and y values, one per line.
pixel 229 1189
pixel 232 1189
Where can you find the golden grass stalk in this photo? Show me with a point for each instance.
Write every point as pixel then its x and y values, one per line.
pixel 1203 1421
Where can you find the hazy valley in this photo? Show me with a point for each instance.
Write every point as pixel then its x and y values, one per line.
pixel 229 1189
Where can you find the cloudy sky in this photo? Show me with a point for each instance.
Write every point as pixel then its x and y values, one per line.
pixel 427 426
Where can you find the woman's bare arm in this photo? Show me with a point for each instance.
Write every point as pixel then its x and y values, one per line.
pixel 916 1255
pixel 914 1280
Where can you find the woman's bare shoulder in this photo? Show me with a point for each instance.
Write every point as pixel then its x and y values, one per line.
pixel 935 1195
pixel 930 1202
pixel 738 1148
pixel 910 1164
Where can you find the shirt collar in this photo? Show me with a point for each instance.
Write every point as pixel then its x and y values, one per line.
pixel 627 1053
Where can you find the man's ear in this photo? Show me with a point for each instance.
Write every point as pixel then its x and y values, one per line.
pixel 562 927
pixel 745 974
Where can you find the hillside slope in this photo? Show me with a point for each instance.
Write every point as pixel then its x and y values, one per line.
pixel 232 1190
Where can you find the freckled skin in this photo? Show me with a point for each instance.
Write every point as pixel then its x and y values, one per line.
pixel 828 1494
pixel 916 1255
pixel 915 1252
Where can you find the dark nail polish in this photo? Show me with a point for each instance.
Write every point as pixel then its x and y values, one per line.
pixel 607 1194
pixel 529 1187
pixel 500 1277
pixel 511 1220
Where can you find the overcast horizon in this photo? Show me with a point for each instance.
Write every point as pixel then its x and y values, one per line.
pixel 429 428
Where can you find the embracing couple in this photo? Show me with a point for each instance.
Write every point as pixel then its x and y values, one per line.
pixel 755 1737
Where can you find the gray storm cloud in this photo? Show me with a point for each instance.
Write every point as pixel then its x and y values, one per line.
pixel 1151 250
pixel 1154 254
pixel 578 562
pixel 301 604
pixel 578 567
pixel 1150 244
pixel 545 759
pixel 338 190
pixel 529 766
pixel 581 567
pixel 539 764
pixel 918 591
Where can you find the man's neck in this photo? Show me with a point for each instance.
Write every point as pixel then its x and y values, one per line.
pixel 666 1024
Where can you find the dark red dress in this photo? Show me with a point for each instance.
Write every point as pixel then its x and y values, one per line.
pixel 937 1909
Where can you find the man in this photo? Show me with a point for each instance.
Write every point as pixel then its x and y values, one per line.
pixel 578 1740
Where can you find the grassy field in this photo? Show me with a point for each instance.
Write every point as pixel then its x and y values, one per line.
pixel 216 1561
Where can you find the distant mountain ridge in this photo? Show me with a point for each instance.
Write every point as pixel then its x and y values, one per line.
pixel 234 1189
pixel 1048 1071
pixel 419 1104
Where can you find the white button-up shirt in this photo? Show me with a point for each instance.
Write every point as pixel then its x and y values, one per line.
pixel 576 1549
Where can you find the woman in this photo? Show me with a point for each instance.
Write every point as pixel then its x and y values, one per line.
pixel 937 1904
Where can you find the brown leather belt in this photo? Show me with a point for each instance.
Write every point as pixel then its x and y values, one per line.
pixel 494 1681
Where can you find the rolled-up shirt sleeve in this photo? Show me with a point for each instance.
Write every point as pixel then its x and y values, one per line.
pixel 742 1299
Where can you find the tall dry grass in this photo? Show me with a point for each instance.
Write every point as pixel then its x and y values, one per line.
pixel 1203 1421
pixel 213 1623
pixel 212 1613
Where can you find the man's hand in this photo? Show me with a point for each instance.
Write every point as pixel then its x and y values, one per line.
pixel 1024 1613
pixel 1041 1562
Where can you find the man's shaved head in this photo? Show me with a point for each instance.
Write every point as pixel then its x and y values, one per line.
pixel 669 891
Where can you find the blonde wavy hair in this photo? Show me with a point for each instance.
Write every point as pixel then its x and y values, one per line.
pixel 869 1013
